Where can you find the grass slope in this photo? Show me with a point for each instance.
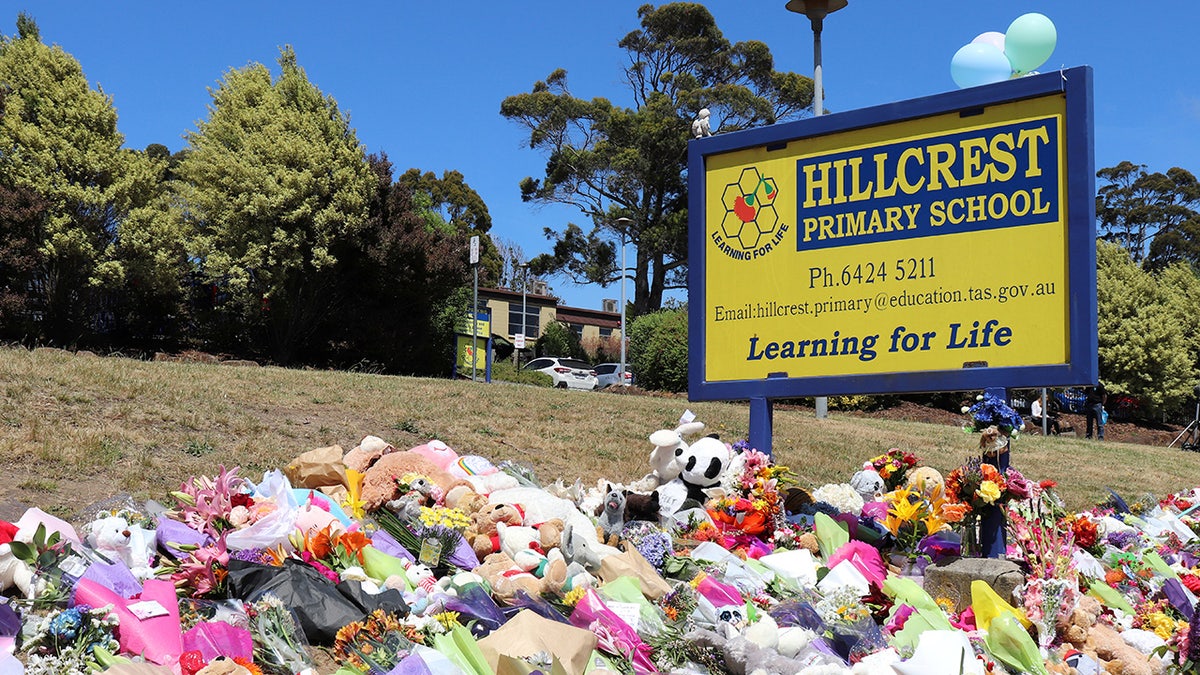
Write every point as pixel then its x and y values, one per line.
pixel 77 429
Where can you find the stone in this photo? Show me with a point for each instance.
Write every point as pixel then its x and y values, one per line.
pixel 952 579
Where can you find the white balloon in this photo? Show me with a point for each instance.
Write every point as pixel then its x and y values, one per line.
pixel 994 38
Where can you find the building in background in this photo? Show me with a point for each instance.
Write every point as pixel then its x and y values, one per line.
pixel 596 329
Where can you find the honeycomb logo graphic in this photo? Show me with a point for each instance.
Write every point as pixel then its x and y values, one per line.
pixel 750 227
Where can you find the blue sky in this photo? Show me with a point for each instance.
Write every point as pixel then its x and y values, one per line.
pixel 423 81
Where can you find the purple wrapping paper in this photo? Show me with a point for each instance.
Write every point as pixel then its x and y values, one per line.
pixel 385 542
pixel 477 604
pixel 412 664
pixel 174 532
pixel 1178 598
pixel 464 556
pixel 10 623
pixel 217 638
pixel 115 577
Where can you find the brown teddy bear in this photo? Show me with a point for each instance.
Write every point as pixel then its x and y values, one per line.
pixel 483 534
pixel 550 533
pixel 1088 635
pixel 379 480
pixel 507 577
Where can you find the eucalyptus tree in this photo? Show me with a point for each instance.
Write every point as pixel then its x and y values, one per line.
pixel 615 162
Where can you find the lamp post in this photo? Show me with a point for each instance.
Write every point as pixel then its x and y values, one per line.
pixel 816 11
pixel 524 290
pixel 624 223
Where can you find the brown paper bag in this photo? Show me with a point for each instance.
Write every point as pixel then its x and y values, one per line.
pixel 630 563
pixel 511 665
pixel 528 633
pixel 317 468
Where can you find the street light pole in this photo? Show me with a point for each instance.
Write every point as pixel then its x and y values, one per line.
pixel 816 11
pixel 623 222
pixel 524 290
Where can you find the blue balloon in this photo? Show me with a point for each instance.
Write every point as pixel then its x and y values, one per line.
pixel 979 63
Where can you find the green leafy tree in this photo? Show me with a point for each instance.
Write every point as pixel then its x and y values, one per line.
pixel 557 339
pixel 658 345
pixel 21 218
pixel 459 207
pixel 278 190
pixel 407 284
pixel 1148 346
pixel 59 144
pixel 1152 215
pixel 612 162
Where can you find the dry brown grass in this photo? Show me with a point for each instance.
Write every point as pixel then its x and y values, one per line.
pixel 75 429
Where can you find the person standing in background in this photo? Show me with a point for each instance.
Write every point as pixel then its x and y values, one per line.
pixel 1097 396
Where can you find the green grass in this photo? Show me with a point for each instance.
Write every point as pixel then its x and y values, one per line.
pixel 95 427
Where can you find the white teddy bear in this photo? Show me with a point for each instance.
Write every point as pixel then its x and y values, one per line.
pixel 115 537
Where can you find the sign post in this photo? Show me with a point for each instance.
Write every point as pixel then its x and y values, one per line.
pixel 940 244
pixel 475 304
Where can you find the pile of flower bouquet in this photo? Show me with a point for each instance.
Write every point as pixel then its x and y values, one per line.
pixel 260 576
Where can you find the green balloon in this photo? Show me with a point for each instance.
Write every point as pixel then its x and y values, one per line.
pixel 1029 41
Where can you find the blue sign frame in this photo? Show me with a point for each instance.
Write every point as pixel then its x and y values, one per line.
pixel 1082 366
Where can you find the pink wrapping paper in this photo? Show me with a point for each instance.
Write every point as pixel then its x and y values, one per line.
pixel 217 638
pixel 159 639
pixel 614 635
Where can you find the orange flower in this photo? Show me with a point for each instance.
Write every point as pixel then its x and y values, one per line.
pixel 320 543
pixel 248 665
pixel 353 543
pixel 954 512
pixel 1114 576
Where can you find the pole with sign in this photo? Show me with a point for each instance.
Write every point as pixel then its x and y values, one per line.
pixel 475 306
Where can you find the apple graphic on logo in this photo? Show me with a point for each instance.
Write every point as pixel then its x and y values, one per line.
pixel 743 210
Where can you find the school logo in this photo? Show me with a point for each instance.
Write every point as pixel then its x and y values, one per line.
pixel 750 227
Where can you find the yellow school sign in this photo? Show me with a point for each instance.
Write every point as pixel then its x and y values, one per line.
pixel 939 244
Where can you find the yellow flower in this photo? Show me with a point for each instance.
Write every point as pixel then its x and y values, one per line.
pixel 354 501
pixel 447 619
pixel 988 491
pixel 574 595
pixel 1162 625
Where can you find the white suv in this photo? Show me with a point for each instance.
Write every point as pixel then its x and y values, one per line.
pixel 609 374
pixel 566 373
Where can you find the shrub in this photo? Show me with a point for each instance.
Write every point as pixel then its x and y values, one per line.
pixel 559 340
pixel 506 372
pixel 657 350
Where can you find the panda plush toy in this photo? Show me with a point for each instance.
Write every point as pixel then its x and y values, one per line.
pixel 702 464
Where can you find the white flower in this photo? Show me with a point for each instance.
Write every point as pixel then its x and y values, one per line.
pixel 841 496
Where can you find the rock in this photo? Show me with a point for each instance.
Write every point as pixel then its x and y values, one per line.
pixel 952 579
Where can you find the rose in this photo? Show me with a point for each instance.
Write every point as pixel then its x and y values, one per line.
pixel 988 491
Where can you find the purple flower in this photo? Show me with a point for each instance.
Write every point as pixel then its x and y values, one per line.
pixel 1193 634
pixel 1122 539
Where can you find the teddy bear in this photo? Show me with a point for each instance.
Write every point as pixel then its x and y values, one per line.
pixel 642 507
pixel 925 480
pixel 1085 632
pixel 483 534
pixel 483 476
pixel 223 666
pixel 368 450
pixel 115 537
pixel 16 573
pixel 868 483
pixel 611 518
pixel 550 533
pixel 379 484
pixel 505 575
pixel 702 465
pixel 669 446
